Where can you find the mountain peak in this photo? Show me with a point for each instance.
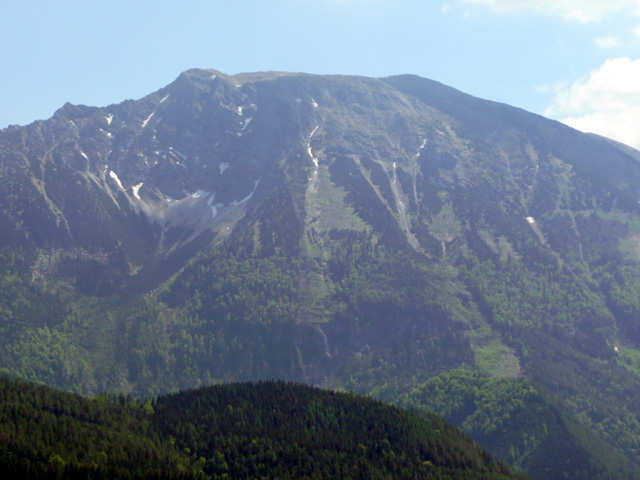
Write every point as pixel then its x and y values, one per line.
pixel 353 232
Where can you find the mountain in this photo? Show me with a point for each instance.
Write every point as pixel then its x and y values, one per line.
pixel 392 236
pixel 266 430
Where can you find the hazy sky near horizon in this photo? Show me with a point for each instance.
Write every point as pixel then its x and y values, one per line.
pixel 575 61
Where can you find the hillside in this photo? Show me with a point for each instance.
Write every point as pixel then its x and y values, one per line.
pixel 45 433
pixel 375 235
pixel 266 430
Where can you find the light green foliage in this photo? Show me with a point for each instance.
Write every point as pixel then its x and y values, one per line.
pixel 496 359
pixel 629 358
pixel 520 423
pixel 444 226
pixel 327 210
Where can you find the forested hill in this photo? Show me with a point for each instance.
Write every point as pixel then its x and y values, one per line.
pixel 45 433
pixel 264 430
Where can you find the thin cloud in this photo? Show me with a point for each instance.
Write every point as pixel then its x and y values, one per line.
pixel 549 88
pixel 607 42
pixel 584 11
pixel 606 102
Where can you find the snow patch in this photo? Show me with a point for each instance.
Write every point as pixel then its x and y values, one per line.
pixel 309 152
pixel 531 220
pixel 314 103
pixel 246 124
pixel 616 349
pixel 213 77
pixel 114 175
pixel 84 155
pixel 421 147
pixel 109 119
pixel 136 189
pixel 239 110
pixel 182 156
pixel 235 203
pixel 214 208
pixel 146 120
pixel 164 98
pixel 313 179
pixel 222 167
pixel 197 198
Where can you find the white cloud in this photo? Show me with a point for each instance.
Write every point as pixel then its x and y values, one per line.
pixel 606 102
pixel 607 42
pixel 581 10
pixel 637 31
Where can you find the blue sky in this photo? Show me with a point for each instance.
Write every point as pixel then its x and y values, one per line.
pixel 576 61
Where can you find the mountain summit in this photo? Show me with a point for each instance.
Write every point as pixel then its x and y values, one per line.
pixel 391 236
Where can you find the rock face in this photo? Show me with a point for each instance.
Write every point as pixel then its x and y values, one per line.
pixel 371 234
